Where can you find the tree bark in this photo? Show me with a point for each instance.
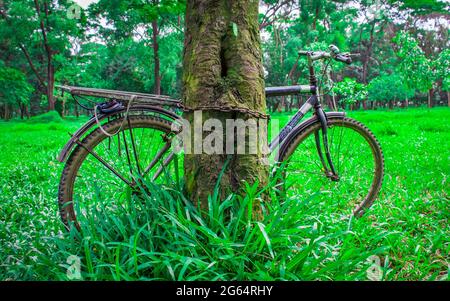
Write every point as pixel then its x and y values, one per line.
pixel 155 33
pixel 448 98
pixel 77 112
pixel 49 51
pixel 430 98
pixel 50 84
pixel 222 67
pixel 22 110
pixel 366 60
pixel 282 104
pixel 391 104
pixel 6 116
pixel 27 112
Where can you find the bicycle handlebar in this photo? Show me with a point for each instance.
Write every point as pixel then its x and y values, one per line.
pixel 334 54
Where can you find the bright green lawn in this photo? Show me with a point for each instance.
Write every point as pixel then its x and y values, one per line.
pixel 407 227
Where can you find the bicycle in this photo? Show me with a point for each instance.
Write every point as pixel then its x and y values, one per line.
pixel 109 139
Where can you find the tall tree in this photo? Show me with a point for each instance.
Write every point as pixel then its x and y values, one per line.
pixel 140 19
pixel 222 68
pixel 14 91
pixel 443 71
pixel 416 67
pixel 40 29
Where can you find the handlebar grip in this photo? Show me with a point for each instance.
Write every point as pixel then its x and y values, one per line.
pixel 343 58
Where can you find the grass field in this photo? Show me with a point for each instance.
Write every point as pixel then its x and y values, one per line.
pixel 406 232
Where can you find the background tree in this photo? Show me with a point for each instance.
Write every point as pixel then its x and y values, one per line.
pixel 389 88
pixel 145 21
pixel 351 92
pixel 40 29
pixel 14 91
pixel 138 45
pixel 416 68
pixel 443 72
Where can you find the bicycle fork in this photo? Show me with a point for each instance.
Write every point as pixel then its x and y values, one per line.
pixel 329 169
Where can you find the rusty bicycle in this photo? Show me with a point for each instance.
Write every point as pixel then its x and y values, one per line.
pixel 128 141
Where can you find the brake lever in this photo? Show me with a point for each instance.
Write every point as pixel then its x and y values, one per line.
pixel 344 57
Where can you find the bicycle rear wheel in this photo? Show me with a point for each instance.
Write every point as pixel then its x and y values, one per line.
pixel 357 158
pixel 103 172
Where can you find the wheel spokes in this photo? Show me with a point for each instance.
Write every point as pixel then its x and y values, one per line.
pixel 351 154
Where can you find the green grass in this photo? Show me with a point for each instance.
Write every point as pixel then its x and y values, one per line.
pixel 163 237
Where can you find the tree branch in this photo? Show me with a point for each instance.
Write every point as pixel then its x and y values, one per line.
pixel 30 62
pixel 42 26
pixel 270 16
pixel 27 55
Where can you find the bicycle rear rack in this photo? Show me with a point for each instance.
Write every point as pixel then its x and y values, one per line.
pixel 122 97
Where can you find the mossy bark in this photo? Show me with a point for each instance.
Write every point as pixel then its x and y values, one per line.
pixel 222 67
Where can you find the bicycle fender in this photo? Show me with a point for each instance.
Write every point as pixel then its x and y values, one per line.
pixel 302 126
pixel 91 123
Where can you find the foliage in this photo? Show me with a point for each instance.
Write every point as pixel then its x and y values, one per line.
pixel 111 43
pixel 350 91
pixel 14 88
pixel 443 69
pixel 49 117
pixel 35 31
pixel 130 36
pixel 163 237
pixel 389 87
pixel 416 68
pixel 422 7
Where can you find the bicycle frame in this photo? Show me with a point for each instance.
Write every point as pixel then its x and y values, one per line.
pixel 292 128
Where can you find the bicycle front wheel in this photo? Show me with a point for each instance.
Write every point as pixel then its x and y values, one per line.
pixel 358 162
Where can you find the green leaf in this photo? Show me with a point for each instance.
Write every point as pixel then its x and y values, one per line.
pixel 235 29
pixel 266 237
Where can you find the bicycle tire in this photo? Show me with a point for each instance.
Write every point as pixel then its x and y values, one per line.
pixel 377 153
pixel 79 154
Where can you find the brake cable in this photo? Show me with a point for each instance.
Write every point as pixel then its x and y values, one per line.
pixel 325 73
pixel 81 105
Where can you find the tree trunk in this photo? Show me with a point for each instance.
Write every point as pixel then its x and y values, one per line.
pixel 316 18
pixel 77 112
pixel 50 84
pixel 157 68
pixel 7 112
pixel 430 98
pixel 329 101
pixel 222 67
pixel 300 101
pixel 22 111
pixel 282 104
pixel 27 112
pixel 448 98
pixel 63 109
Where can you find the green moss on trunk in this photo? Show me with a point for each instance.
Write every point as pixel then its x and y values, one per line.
pixel 222 68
